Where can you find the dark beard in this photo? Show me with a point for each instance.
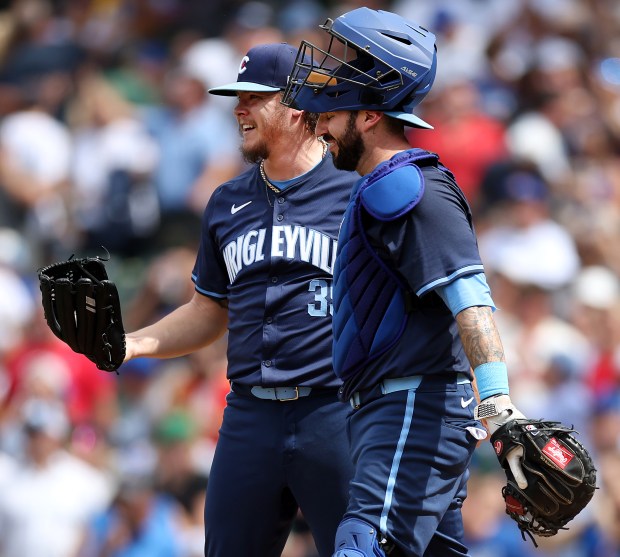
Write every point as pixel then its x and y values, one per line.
pixel 350 148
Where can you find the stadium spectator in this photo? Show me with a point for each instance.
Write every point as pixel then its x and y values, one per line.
pixel 51 495
pixel 113 197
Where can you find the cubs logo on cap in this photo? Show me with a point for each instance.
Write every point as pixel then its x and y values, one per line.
pixel 264 69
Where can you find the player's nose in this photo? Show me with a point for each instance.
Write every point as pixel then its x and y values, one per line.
pixel 240 108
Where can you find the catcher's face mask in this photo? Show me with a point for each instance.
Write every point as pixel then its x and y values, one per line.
pixel 375 60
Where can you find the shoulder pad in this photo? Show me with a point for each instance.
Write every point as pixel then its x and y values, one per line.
pixel 394 194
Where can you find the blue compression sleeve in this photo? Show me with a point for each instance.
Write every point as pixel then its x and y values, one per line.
pixel 492 379
pixel 466 292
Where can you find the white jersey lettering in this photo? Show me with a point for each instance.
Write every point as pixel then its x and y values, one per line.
pixel 325 245
pixel 287 242
pixel 244 251
pixel 260 245
pixel 276 242
pixel 249 249
pixel 291 233
pixel 316 248
pixel 238 252
pixel 229 259
pixel 305 244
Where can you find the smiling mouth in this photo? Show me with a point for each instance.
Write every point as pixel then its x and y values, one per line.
pixel 329 141
pixel 245 128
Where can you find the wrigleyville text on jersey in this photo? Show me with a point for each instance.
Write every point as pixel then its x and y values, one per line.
pixel 287 242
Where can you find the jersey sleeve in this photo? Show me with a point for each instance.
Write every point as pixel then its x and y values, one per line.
pixel 209 274
pixel 465 292
pixel 434 243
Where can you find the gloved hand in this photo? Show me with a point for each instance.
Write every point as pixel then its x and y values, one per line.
pixel 496 411
pixel 82 308
pixel 560 472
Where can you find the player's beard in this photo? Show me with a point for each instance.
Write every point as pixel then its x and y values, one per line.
pixel 350 147
pixel 272 129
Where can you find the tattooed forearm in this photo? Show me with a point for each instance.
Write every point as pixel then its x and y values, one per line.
pixel 480 336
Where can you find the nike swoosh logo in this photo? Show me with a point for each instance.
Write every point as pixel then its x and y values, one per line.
pixel 234 209
pixel 465 403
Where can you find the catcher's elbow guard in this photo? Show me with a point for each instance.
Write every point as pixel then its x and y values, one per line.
pixel 560 473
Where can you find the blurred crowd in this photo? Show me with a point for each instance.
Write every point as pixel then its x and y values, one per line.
pixel 109 141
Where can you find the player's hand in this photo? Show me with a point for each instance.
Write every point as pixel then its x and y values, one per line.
pixel 130 347
pixel 507 412
pixel 129 344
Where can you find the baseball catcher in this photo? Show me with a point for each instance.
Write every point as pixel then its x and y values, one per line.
pixel 551 476
pixel 82 309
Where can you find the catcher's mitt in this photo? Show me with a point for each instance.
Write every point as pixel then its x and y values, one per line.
pixel 82 308
pixel 560 474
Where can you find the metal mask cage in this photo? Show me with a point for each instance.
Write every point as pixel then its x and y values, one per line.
pixel 318 69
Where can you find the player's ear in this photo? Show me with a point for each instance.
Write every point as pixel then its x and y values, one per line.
pixel 296 114
pixel 368 119
pixel 297 117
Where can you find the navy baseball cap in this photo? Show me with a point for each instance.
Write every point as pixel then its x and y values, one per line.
pixel 265 69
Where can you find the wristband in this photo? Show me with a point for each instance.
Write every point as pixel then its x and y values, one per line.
pixel 492 379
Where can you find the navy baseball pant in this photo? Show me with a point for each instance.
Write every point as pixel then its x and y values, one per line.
pixel 272 457
pixel 411 450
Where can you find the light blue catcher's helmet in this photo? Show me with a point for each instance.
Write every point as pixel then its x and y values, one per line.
pixel 376 60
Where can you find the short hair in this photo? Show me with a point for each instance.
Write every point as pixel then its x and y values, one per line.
pixel 394 126
pixel 311 119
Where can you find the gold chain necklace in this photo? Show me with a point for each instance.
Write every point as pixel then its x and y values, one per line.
pixel 268 184
pixel 261 168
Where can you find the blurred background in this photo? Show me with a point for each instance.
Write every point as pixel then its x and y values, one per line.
pixel 108 138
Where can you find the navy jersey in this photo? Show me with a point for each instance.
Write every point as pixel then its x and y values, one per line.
pixel 271 256
pixel 432 244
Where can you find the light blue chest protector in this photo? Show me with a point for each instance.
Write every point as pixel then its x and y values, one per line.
pixel 369 298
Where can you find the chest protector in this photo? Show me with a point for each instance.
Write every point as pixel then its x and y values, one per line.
pixel 370 309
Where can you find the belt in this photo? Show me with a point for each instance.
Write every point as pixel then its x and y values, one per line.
pixel 394 384
pixel 283 394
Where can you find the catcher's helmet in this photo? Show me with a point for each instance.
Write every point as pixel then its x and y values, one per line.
pixel 375 60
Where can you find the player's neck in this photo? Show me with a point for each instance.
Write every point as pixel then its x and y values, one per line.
pixel 287 161
pixel 381 151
